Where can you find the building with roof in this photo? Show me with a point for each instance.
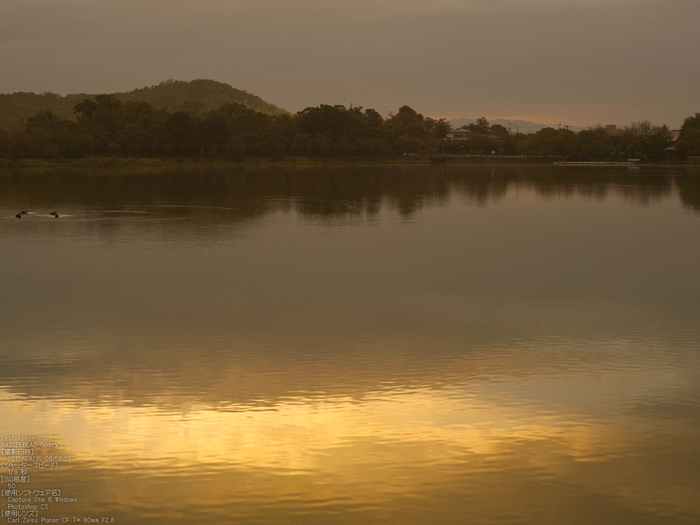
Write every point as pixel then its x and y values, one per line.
pixel 459 134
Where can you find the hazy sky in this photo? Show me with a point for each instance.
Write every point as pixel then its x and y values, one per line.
pixel 578 62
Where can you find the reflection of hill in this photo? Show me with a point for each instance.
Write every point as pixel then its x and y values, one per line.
pixel 180 202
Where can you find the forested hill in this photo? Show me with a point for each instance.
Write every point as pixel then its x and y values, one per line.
pixel 208 93
pixel 172 94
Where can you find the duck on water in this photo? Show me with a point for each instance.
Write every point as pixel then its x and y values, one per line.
pixel 25 212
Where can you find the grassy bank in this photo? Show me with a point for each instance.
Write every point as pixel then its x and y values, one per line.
pixel 188 162
pixel 118 163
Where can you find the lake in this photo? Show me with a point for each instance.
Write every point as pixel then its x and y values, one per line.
pixel 351 344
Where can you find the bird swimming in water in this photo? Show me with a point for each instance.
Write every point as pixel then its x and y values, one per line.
pixel 19 215
pixel 24 212
pixel 55 214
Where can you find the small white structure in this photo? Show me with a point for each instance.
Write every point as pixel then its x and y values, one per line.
pixel 459 134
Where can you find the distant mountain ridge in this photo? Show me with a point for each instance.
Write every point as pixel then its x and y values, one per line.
pixel 203 94
pixel 524 126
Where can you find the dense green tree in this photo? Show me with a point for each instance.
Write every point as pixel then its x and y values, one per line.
pixel 595 144
pixel 249 132
pixel 408 131
pixel 85 109
pixel 101 122
pixel 550 142
pixel 182 133
pixel 140 124
pixel 44 119
pixel 108 126
pixel 482 125
pixel 4 143
pixel 336 130
pixel 215 133
pixel 437 131
pixel 689 138
pixel 499 131
pixel 48 135
pixel 644 140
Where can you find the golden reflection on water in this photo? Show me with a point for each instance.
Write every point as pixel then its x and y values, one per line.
pixel 357 454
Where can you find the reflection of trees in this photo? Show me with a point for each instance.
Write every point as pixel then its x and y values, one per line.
pixel 487 185
pixel 226 197
pixel 689 190
pixel 634 186
pixel 484 185
pixel 206 200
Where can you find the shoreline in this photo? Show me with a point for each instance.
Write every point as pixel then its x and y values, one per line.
pixel 395 160
pixel 193 162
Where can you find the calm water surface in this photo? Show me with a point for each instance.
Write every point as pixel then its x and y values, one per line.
pixel 356 345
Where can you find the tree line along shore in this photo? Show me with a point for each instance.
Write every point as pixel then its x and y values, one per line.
pixel 106 127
